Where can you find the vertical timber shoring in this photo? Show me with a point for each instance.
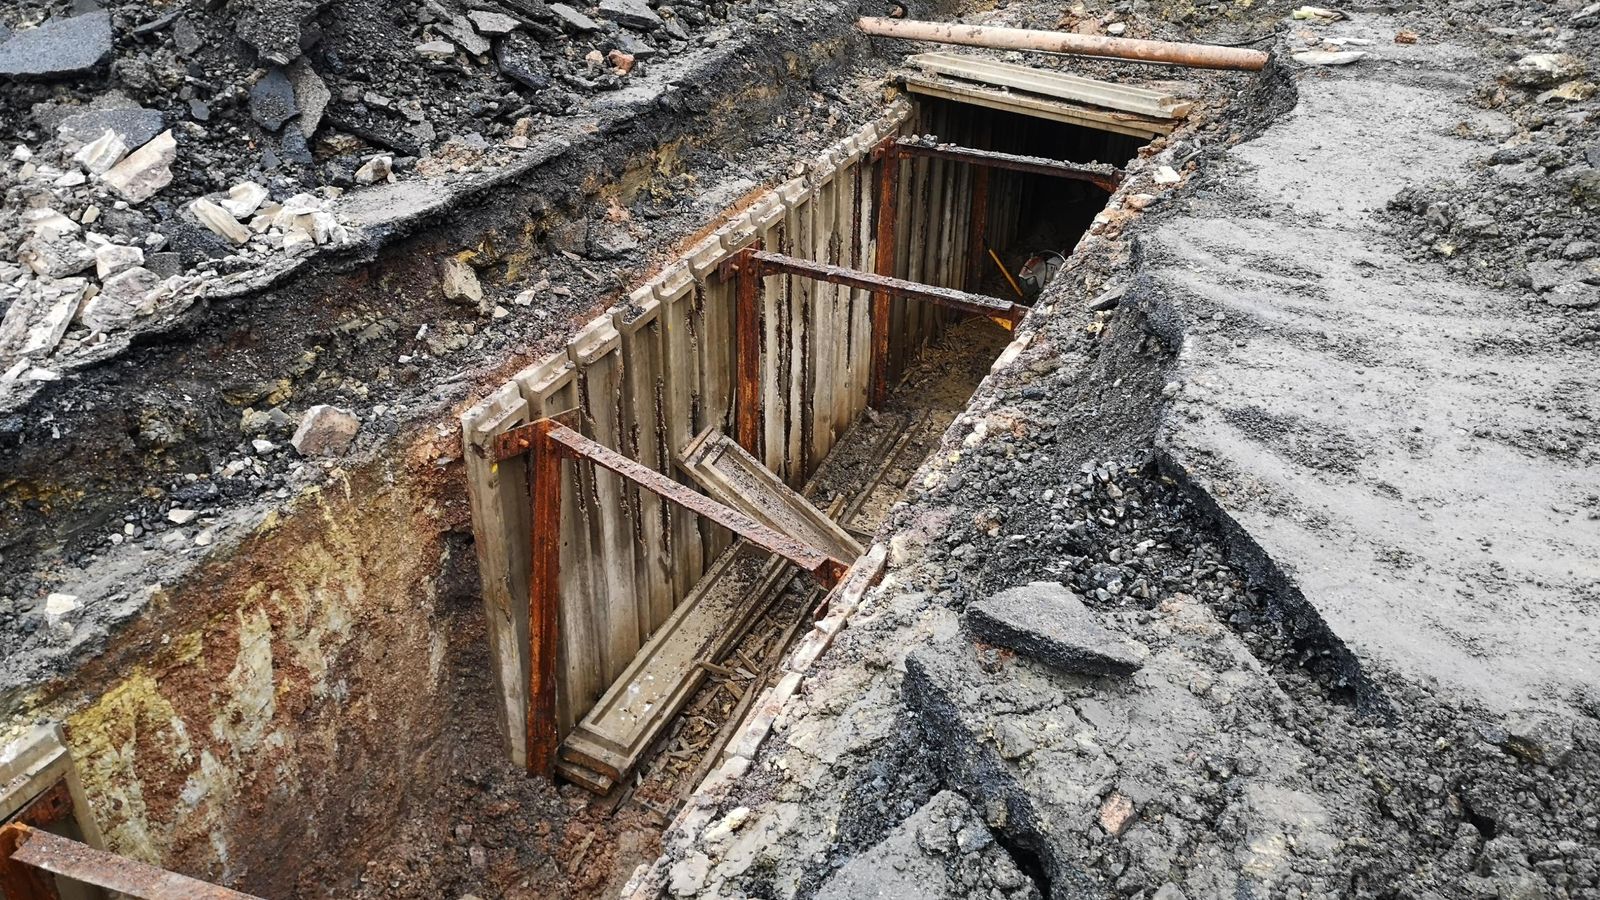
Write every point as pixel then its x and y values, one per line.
pixel 639 329
pixel 747 404
pixel 645 378
pixel 500 522
pixel 681 381
pixel 595 353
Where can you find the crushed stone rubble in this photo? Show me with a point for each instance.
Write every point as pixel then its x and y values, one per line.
pixel 219 144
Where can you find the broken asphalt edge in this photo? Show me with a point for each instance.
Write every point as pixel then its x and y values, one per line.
pixel 405 207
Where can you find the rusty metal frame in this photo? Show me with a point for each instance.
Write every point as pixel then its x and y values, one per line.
pixel 1105 177
pixel 751 264
pixel 30 857
pixel 547 442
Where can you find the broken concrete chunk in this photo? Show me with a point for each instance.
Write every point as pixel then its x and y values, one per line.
pixel 437 51
pixel 1328 57
pixel 243 199
pixel 461 283
pixel 461 31
pixel 109 259
pixel 145 171
pixel 220 221
pixel 121 299
pixel 102 153
pixel 492 22
pixel 572 19
pixel 325 431
pixel 311 94
pixel 272 100
pixel 57 606
pixel 52 254
pixel 36 320
pixel 1537 70
pixel 135 125
pixel 60 47
pixel 634 14
pixel 376 169
pixel 1047 622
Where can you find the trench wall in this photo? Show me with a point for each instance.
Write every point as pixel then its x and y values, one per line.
pixel 660 367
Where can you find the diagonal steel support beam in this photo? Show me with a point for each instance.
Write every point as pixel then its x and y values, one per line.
pixel 28 854
pixel 1103 176
pixel 763 262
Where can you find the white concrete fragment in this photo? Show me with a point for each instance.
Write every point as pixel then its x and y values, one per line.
pixel 460 282
pixel 102 153
pixel 219 221
pixel 121 299
pixel 1328 57
pixel 325 431
pixel 145 171
pixel 36 320
pixel 58 605
pixel 376 169
pixel 182 516
pixel 109 259
pixel 55 255
pixel 244 199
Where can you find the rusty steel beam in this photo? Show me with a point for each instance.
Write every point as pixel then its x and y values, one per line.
pixel 888 213
pixel 26 853
pixel 747 390
pixel 824 568
pixel 1100 175
pixel 767 262
pixel 544 600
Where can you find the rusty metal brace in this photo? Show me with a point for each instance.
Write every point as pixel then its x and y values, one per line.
pixel 749 265
pixel 30 858
pixel 547 442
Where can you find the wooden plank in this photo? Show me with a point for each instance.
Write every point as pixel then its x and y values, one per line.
pixel 731 475
pixel 550 388
pixel 824 374
pixel 1054 110
pixel 1106 94
pixel 681 389
pixel 641 345
pixel 599 365
pixel 498 497
pixel 666 673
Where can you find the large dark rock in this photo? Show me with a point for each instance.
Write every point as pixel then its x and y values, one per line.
pixel 1047 622
pixel 272 100
pixel 518 58
pixel 58 48
pixel 635 14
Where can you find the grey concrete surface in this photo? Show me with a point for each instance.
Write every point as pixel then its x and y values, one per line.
pixel 1417 455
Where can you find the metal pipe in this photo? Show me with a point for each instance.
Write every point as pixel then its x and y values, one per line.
pixel 1199 56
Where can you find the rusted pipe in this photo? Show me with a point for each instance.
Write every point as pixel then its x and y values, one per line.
pixel 1199 56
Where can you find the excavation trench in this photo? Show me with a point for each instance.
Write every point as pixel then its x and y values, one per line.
pixel 669 628
pixel 798 366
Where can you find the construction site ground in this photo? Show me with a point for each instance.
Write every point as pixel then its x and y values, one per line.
pixel 1311 431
